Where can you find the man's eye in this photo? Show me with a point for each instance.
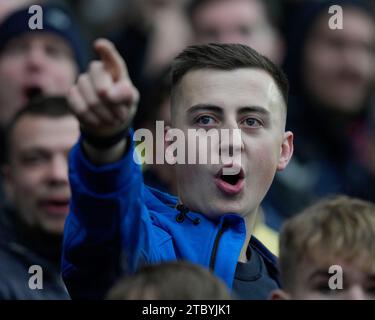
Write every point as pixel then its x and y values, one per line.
pixel 16 48
pixel 57 51
pixel 244 30
pixel 211 33
pixel 53 51
pixel 252 122
pixel 205 120
pixel 33 160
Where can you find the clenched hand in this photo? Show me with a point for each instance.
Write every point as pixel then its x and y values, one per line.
pixel 104 98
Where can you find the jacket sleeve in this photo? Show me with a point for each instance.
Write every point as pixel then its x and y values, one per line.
pixel 108 229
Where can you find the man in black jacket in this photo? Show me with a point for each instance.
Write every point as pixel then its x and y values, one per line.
pixel 36 184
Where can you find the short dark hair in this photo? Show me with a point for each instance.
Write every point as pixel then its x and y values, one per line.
pixel 226 57
pixel 175 280
pixel 52 106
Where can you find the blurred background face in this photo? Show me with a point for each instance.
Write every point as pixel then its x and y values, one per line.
pixel 312 281
pixel 30 65
pixel 237 21
pixel 37 174
pixel 339 65
pixel 200 186
pixel 159 4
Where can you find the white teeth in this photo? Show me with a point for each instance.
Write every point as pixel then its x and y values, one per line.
pixel 231 171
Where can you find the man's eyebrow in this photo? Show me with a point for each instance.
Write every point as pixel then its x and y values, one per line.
pixel 35 149
pixel 217 109
pixel 254 109
pixel 205 107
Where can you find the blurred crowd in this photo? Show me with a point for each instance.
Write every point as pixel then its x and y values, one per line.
pixel 331 111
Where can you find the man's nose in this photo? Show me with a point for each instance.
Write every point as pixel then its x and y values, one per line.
pixel 36 57
pixel 231 142
pixel 58 170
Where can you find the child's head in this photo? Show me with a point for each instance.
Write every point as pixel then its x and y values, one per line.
pixel 176 280
pixel 339 232
pixel 229 86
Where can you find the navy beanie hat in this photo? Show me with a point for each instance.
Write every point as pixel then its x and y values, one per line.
pixel 55 20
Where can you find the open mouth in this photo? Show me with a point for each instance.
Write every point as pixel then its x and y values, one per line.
pixel 230 184
pixel 33 92
pixel 55 207
pixel 232 179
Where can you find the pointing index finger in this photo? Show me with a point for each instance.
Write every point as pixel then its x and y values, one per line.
pixel 111 58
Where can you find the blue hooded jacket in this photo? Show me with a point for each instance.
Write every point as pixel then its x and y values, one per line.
pixel 117 224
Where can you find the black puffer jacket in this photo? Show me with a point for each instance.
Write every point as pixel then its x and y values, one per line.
pixel 21 248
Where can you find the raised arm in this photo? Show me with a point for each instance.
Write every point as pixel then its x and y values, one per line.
pixel 108 228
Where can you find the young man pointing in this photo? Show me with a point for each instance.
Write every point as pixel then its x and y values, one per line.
pixel 117 224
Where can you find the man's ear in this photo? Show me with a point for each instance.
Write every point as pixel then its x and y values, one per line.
pixel 279 294
pixel 286 150
pixel 6 173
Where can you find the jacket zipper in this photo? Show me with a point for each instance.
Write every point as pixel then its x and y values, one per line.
pixel 216 245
